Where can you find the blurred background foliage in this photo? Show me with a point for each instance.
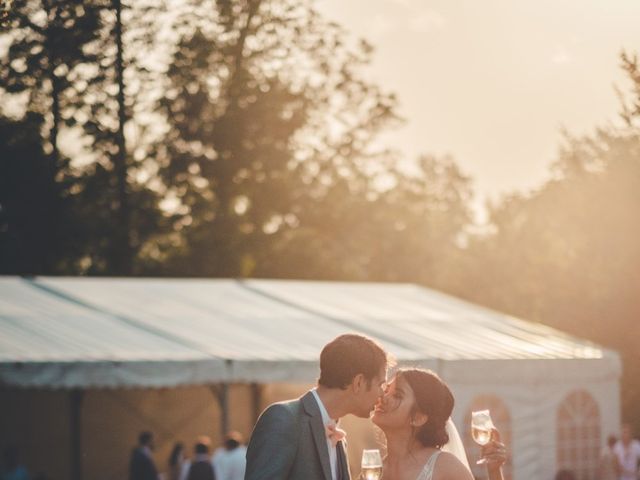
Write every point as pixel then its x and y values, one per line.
pixel 240 138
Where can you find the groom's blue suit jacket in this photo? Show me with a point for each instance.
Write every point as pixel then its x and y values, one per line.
pixel 289 443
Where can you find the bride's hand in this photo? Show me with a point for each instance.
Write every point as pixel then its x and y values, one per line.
pixel 494 452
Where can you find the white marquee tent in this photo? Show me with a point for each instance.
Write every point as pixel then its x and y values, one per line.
pixel 556 397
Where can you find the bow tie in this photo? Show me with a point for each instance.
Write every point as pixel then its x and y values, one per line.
pixel 335 434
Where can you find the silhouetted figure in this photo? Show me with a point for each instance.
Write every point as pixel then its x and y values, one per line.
pixel 12 469
pixel 142 466
pixel 176 461
pixel 201 468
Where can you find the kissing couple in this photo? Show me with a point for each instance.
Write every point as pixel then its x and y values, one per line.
pixel 300 439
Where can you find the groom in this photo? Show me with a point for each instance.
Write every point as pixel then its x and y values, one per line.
pixel 299 439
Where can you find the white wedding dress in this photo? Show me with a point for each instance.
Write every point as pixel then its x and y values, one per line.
pixel 453 446
pixel 427 471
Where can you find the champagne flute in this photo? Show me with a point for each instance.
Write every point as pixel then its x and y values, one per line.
pixel 371 465
pixel 481 426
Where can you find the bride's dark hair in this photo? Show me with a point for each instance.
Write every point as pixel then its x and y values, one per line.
pixel 434 399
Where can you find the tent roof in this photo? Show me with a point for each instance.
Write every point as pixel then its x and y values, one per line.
pixel 112 332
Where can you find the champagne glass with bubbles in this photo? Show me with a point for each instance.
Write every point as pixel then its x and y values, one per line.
pixel 371 465
pixel 481 427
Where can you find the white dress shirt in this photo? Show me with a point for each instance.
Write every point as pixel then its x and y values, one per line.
pixel 628 456
pixel 230 464
pixel 326 420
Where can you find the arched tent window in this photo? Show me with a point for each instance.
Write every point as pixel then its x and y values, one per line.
pixel 501 419
pixel 578 435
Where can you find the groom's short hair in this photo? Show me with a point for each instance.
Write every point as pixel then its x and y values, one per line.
pixel 348 355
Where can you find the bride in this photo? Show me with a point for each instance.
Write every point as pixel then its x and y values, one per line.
pixel 413 415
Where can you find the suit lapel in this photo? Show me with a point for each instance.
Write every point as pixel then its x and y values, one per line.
pixel 318 431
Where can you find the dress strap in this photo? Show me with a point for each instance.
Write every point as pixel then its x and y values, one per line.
pixel 427 471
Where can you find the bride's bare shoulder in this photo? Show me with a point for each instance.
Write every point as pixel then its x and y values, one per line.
pixel 448 467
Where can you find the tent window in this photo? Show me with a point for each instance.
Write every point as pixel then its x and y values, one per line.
pixel 501 419
pixel 578 435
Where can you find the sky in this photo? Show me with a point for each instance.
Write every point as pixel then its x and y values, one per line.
pixel 494 82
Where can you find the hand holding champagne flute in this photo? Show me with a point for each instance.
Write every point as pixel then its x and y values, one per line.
pixel 481 427
pixel 371 465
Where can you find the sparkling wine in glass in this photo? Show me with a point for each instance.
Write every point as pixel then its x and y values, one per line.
pixel 371 465
pixel 481 426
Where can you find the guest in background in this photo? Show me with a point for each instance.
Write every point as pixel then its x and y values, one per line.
pixel 142 466
pixel 177 462
pixel 229 461
pixel 627 451
pixel 201 468
pixel 608 467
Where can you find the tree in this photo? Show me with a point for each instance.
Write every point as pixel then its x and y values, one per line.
pixel 265 104
pixel 258 138
pixel 120 190
pixel 37 234
pixel 68 58
pixel 43 65
pixel 393 227
pixel 45 55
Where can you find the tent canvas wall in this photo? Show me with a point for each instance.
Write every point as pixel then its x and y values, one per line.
pixel 556 396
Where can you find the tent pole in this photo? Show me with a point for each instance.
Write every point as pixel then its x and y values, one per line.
pixel 256 400
pixel 75 424
pixel 221 392
pixel 224 404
